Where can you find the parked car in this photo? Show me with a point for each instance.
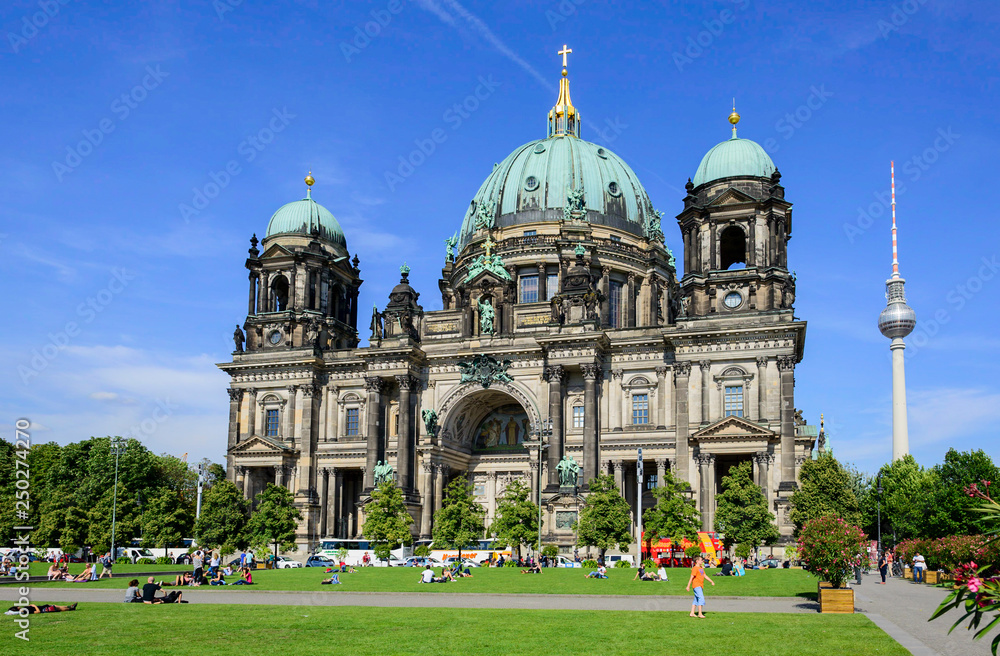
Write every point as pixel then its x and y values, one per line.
pixel 393 561
pixel 769 563
pixel 466 562
pixel 320 561
pixel 284 562
pixel 422 561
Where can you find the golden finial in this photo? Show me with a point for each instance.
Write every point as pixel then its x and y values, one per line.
pixel 734 118
pixel 488 246
pixel 565 51
pixel 310 181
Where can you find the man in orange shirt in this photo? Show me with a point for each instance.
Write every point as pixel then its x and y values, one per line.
pixel 697 583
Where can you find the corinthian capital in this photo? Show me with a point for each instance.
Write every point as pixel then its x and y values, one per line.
pixel 590 371
pixel 374 384
pixel 407 382
pixel 682 369
pixel 235 394
pixel 786 363
pixel 555 373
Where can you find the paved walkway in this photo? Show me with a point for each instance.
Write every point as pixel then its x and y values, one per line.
pixel 438 600
pixel 902 608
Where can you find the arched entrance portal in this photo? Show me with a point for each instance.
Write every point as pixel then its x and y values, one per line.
pixel 502 417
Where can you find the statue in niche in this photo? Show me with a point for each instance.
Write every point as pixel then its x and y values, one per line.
pixel 568 470
pixel 486 317
pixel 382 471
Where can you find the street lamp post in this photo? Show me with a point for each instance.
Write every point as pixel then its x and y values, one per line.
pixel 543 430
pixel 117 448
pixel 878 505
pixel 201 483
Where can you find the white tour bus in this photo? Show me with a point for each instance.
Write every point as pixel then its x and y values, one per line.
pixel 482 551
pixel 356 550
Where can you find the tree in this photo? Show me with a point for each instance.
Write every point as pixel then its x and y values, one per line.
pixel 275 519
pixel 673 517
pixel 742 516
pixel 516 521
pixel 461 520
pixel 604 521
pixel 166 520
pixel 904 485
pixel 948 508
pixel 826 491
pixel 223 519
pixel 387 522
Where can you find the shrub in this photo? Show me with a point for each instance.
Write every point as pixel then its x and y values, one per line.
pixel 649 563
pixel 509 563
pixel 164 560
pixel 123 560
pixel 550 551
pixel 831 547
pixel 145 561
pixel 791 553
pixel 623 563
pixel 693 551
pixel 743 550
pixel 589 563
pixel 422 551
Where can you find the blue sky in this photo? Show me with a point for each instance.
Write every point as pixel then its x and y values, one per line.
pixel 115 116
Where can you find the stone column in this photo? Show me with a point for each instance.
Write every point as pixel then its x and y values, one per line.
pixel 662 397
pixel 427 499
pixel 336 493
pixel 762 388
pixel 760 466
pixel 262 304
pixel 704 462
pixel 290 414
pixel 534 479
pixel 251 397
pixel 631 300
pixel 324 477
pixel 354 307
pixel 253 294
pixel 766 477
pixel 241 476
pixel 616 400
pixel 332 413
pixel 619 475
pixel 542 283
pixel 712 487
pixel 440 471
pixel 279 474
pixel 291 286
pixel 235 398
pixel 404 453
pixel 661 472
pixel 555 374
pixel 682 420
pixel 307 445
pixel 786 367
pixel 375 445
pixel 606 303
pixel 706 380
pixel 591 448
pixel 491 496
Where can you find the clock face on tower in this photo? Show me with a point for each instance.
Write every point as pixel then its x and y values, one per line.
pixel 733 300
pixel 274 337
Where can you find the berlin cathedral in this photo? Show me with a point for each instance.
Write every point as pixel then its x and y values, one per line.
pixel 566 343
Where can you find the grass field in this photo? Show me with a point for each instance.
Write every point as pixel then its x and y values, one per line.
pixel 220 630
pixel 757 583
pixel 39 569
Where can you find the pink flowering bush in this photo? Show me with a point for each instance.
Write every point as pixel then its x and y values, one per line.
pixel 830 548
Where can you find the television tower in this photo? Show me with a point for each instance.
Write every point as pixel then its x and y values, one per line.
pixel 897 321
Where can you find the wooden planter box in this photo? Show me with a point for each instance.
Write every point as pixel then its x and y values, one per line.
pixel 835 600
pixel 907 573
pixel 931 577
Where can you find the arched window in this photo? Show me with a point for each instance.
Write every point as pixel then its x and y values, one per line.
pixel 732 248
pixel 279 294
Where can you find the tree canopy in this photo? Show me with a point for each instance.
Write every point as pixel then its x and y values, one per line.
pixel 224 516
pixel 673 517
pixel 387 522
pixel 825 490
pixel 516 520
pixel 461 520
pixel 605 520
pixel 275 519
pixel 742 515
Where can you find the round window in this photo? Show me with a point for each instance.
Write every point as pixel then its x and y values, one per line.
pixel 539 148
pixel 531 183
pixel 733 300
pixel 613 189
pixel 274 337
pixel 603 154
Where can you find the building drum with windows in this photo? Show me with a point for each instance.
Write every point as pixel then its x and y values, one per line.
pixel 566 342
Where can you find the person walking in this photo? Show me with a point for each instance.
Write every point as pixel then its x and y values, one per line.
pixel 888 562
pixel 198 563
pixel 883 566
pixel 919 564
pixel 696 584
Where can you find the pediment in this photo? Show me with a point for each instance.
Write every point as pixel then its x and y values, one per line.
pixel 276 250
pixel 732 197
pixel 259 445
pixel 734 428
pixel 486 274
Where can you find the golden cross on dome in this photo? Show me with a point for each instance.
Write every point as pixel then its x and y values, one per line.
pixel 488 245
pixel 565 51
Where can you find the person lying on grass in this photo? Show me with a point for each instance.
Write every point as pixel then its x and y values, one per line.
pixel 534 569
pixel 333 580
pixel 84 576
pixel 31 609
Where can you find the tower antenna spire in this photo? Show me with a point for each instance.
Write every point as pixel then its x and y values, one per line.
pixel 895 257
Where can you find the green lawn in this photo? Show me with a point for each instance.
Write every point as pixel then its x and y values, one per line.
pixel 301 630
pixel 757 583
pixel 39 569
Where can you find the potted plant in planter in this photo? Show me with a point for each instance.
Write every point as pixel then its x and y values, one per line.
pixel 831 548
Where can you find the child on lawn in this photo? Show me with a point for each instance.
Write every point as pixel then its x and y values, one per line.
pixel 697 584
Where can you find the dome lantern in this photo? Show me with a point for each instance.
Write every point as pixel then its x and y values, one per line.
pixel 734 158
pixel 564 120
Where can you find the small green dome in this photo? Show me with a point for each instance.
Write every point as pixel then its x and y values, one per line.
pixel 732 158
pixel 533 184
pixel 306 217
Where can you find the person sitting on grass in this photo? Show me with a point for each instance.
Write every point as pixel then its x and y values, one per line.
pixel 31 609
pixel 446 576
pixel 661 574
pixel 181 579
pixel 727 569
pixel 534 569
pixel 427 576
pixel 149 594
pixel 641 574
pixel 132 594
pixel 54 573
pixel 599 573
pixel 333 580
pixel 83 576
pixel 246 577
pixel 218 579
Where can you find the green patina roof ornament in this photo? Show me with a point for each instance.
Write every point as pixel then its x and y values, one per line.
pixel 488 262
pixel 405 270
pixel 485 369
pixel 580 250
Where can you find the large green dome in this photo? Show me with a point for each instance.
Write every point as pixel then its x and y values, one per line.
pixel 732 158
pixel 534 182
pixel 306 217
